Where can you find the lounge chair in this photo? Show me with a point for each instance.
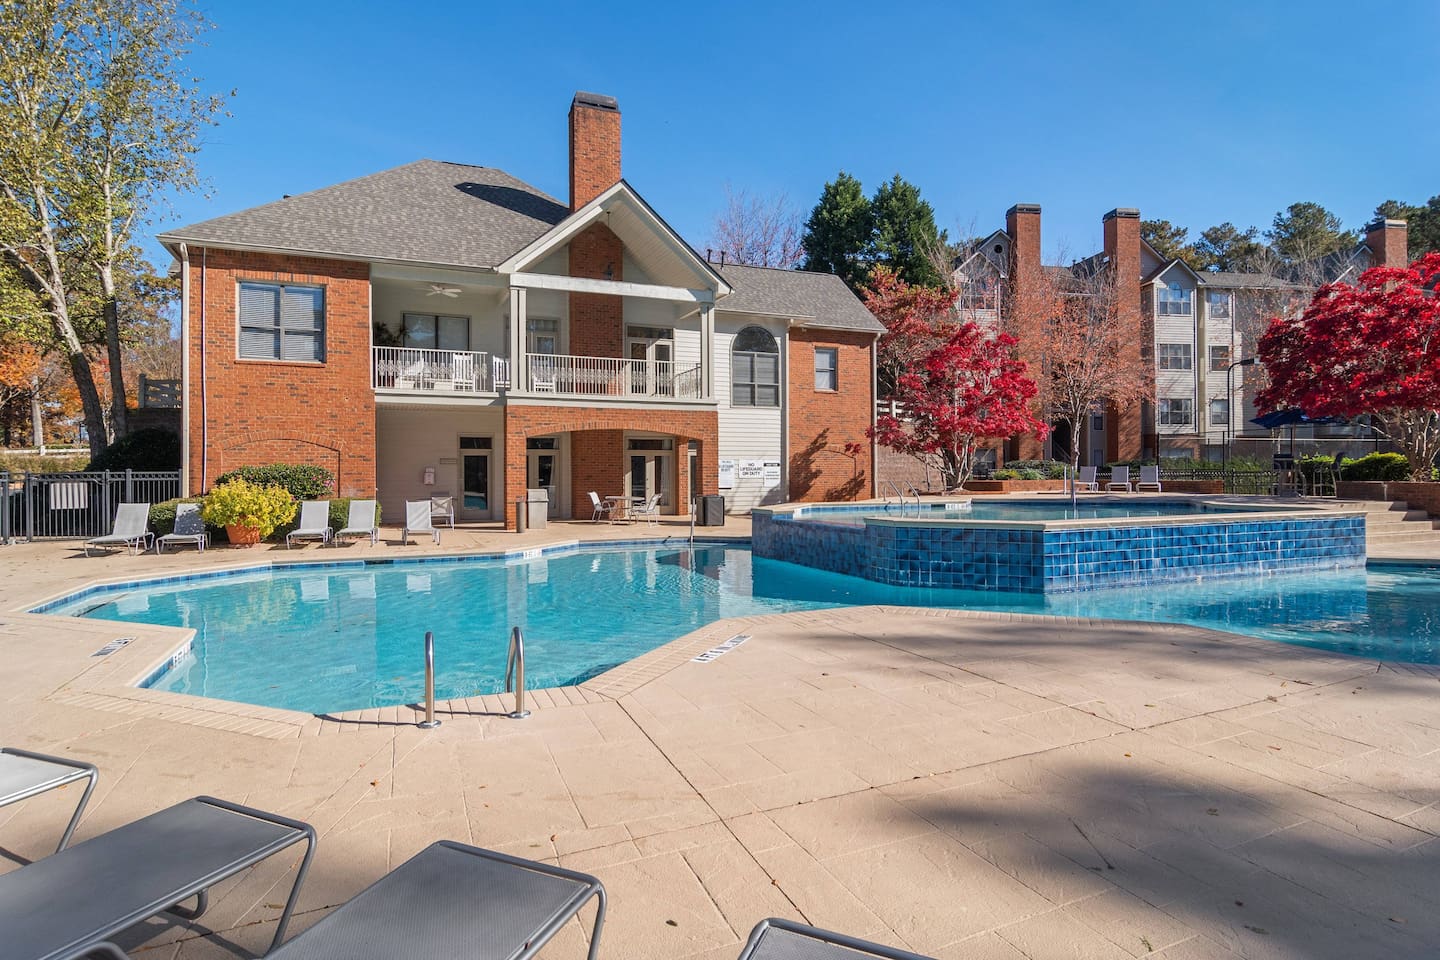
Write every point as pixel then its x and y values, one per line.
pixel 776 939
pixel 361 522
pixel 314 523
pixel 1119 477
pixel 649 511
pixel 442 507
pixel 417 520
pixel 189 528
pixel 1149 477
pixel 602 509
pixel 453 900
pixel 131 529
pixel 24 775
pixel 1085 479
pixel 70 903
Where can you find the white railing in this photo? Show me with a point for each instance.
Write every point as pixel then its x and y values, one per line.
pixel 891 408
pixel 419 370
pixel 612 377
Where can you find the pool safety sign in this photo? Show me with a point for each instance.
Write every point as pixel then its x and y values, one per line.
pixel 752 469
pixel 721 650
pixel 727 474
pixel 772 472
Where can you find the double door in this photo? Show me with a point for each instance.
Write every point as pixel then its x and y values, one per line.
pixel 655 376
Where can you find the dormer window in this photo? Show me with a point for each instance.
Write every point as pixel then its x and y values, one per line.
pixel 1172 300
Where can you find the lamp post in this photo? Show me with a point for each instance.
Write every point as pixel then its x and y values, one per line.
pixel 1230 406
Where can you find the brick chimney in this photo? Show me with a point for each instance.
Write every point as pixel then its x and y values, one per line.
pixel 1125 439
pixel 1023 300
pixel 594 146
pixel 1388 241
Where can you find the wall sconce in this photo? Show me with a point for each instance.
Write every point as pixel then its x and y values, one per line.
pixel 428 477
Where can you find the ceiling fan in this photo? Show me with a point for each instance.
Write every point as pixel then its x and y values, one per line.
pixel 444 291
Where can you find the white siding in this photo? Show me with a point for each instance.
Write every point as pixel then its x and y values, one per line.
pixel 409 440
pixel 749 433
pixel 1177 384
pixel 394 298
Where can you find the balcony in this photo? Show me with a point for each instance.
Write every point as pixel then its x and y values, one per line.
pixel 415 370
pixel 612 377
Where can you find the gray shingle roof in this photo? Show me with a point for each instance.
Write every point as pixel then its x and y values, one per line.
pixel 821 299
pixel 427 211
pixel 1231 280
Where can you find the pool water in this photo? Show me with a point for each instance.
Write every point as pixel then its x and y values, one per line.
pixel 1031 510
pixel 327 639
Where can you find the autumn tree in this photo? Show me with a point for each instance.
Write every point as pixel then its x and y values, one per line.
pixel 758 231
pixel 916 320
pixel 968 390
pixel 1368 348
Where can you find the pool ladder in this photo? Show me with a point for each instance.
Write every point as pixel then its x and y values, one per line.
pixel 900 493
pixel 515 674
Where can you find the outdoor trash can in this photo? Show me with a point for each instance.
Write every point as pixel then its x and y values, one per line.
pixel 712 511
pixel 537 508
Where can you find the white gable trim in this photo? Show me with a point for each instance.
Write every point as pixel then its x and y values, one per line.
pixel 617 288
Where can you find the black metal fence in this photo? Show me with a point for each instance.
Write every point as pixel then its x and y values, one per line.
pixel 53 506
pixel 1304 481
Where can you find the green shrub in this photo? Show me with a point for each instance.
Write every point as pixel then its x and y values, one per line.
pixel 34 463
pixel 153 448
pixel 244 504
pixel 1377 466
pixel 1030 473
pixel 303 481
pixel 1005 474
pixel 1048 469
pixel 162 518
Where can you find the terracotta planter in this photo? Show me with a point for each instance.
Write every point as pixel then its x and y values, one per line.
pixel 242 536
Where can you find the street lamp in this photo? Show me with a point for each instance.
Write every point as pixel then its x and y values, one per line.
pixel 1230 406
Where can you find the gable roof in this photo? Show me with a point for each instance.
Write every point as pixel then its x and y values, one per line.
pixel 815 299
pixel 429 211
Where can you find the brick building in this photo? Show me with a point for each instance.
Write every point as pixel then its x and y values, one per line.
pixel 443 328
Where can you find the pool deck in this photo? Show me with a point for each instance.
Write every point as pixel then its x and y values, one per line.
pixel 966 785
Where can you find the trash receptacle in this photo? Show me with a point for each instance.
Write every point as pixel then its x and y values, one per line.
pixel 712 511
pixel 537 508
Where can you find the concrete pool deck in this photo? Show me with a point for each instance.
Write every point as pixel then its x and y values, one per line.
pixel 967 785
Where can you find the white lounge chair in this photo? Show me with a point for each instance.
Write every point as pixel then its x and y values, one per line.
pixel 1119 477
pixel 131 529
pixel 189 528
pixel 361 522
pixel 649 511
pixel 417 520
pixel 1085 480
pixel 442 507
pixel 314 523
pixel 602 509
pixel 1149 477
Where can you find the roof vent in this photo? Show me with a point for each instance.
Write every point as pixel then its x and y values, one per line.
pixel 596 100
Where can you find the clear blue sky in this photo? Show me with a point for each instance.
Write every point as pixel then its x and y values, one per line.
pixel 1196 113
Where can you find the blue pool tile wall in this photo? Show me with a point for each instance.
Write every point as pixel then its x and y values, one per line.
pixel 1039 559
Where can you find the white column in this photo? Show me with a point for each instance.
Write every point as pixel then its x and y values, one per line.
pixel 707 351
pixel 519 379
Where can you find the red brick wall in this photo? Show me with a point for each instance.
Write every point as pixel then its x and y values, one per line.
pixel 597 320
pixel 822 423
pixel 1022 223
pixel 1122 243
pixel 1388 240
pixel 265 411
pixel 597 456
pixel 594 152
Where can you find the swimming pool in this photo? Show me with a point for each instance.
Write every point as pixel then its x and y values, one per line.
pixel 1019 510
pixel 328 638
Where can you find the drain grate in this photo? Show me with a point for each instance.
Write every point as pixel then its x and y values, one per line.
pixel 721 650
pixel 117 644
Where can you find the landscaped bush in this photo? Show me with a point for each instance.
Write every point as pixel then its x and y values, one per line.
pixel 34 463
pixel 1377 466
pixel 240 503
pixel 162 518
pixel 1005 474
pixel 1048 469
pixel 1030 473
pixel 303 481
pixel 153 448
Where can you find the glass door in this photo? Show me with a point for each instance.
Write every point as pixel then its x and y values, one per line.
pixel 541 469
pixel 475 478
pixel 651 473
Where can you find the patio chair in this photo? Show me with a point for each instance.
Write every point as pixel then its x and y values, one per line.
pixel 1119 477
pixel 602 509
pixel 649 511
pixel 361 522
pixel 452 900
pixel 417 520
pixel 189 528
pixel 776 939
pixel 1149 477
pixel 65 906
pixel 442 507
pixel 314 523
pixel 1085 479
pixel 24 775
pixel 131 529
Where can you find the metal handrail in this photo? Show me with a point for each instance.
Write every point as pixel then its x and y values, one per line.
pixel 429 723
pixel 515 674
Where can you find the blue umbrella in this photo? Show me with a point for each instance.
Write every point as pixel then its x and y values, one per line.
pixel 1292 418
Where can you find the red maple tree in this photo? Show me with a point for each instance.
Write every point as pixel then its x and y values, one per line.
pixel 968 390
pixel 916 320
pixel 1368 348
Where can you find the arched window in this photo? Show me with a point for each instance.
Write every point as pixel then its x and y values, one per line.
pixel 1174 301
pixel 755 369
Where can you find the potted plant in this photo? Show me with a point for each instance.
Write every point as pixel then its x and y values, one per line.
pixel 247 511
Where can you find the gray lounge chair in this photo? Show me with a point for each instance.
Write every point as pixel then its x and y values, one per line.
pixel 69 904
pixel 314 523
pixel 417 520
pixel 1120 477
pixel 24 775
pixel 1149 477
pixel 785 940
pixel 454 900
pixel 131 529
pixel 1085 479
pixel 189 528
pixel 361 522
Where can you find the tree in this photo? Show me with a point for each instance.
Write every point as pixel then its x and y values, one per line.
pixel 1371 348
pixel 969 389
pixel 906 239
pixel 1307 231
pixel 1168 239
pixel 758 231
pixel 916 319
pixel 1423 224
pixel 1226 247
pixel 839 231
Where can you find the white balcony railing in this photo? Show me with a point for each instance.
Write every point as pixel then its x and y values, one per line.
pixel 612 377
pixel 419 370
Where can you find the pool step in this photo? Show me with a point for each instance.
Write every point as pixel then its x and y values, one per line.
pixel 1397 522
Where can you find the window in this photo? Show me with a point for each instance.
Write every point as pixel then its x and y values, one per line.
pixel 1219 356
pixel 431 332
pixel 651 443
pixel 827 362
pixel 1218 305
pixel 1172 300
pixel 475 443
pixel 1219 413
pixel 1097 422
pixel 542 335
pixel 1176 412
pixel 1174 356
pixel 755 369
pixel 282 322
